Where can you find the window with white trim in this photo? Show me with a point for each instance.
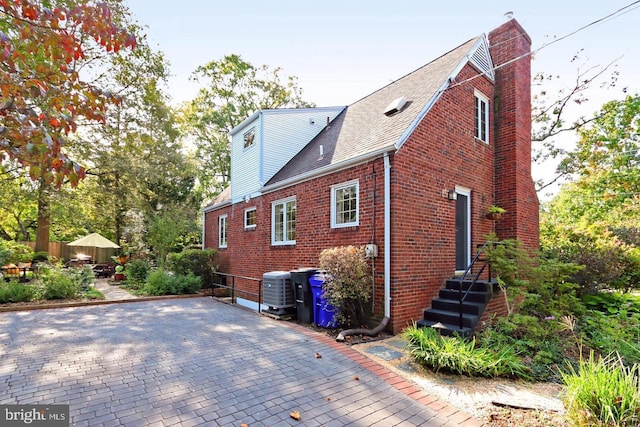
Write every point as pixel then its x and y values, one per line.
pixel 345 204
pixel 250 218
pixel 481 117
pixel 222 231
pixel 248 137
pixel 283 222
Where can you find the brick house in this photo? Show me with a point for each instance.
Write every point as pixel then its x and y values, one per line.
pixel 410 168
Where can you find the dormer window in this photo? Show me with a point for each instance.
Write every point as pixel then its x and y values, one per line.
pixel 249 136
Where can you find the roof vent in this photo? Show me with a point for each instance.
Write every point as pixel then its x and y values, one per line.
pixel 395 106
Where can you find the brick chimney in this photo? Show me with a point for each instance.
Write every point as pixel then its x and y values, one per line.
pixel 510 46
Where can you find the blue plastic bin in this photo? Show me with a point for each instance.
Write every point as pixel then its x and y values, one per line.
pixel 323 313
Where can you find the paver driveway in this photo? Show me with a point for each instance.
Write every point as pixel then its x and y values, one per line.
pixel 191 362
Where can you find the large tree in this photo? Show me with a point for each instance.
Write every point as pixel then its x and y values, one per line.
pixel 595 219
pixel 233 90
pixel 48 48
pixel 558 106
pixel 137 160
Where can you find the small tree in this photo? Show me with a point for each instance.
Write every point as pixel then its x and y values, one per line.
pixel 14 252
pixel 349 287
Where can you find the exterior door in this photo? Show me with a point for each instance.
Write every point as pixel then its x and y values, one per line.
pixel 462 231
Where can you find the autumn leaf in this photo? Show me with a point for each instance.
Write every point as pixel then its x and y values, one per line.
pixel 295 415
pixel 318 356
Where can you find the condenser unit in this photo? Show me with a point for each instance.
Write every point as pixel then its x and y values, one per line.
pixel 278 292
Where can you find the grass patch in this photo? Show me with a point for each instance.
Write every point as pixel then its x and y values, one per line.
pixel 603 392
pixel 93 293
pixel 463 357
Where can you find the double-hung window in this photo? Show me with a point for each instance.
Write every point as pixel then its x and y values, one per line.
pixel 283 222
pixel 481 117
pixel 345 204
pixel 222 231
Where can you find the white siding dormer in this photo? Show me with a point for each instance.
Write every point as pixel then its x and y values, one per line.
pixel 263 143
pixel 245 158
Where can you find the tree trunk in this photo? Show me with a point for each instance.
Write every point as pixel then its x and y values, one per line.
pixel 44 218
pixel 4 235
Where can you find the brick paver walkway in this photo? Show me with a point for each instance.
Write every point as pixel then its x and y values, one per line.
pixel 188 362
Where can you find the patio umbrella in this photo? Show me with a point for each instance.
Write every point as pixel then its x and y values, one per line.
pixel 94 240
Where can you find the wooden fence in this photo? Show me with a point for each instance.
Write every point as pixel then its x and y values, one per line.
pixel 61 251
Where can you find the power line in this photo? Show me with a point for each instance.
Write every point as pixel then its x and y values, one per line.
pixel 597 21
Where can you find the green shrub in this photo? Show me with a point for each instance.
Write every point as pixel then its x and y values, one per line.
pixel 542 343
pixel 613 333
pixel 137 273
pixel 159 283
pixel 201 262
pixel 57 283
pixel 40 257
pixel 186 284
pixel 13 291
pixel 463 357
pixel 613 303
pixel 603 392
pixel 12 252
pixel 349 286
pixel 83 277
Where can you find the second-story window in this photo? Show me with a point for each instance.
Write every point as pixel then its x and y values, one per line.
pixel 481 117
pixel 249 136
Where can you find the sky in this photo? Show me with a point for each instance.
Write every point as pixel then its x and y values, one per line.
pixel 342 50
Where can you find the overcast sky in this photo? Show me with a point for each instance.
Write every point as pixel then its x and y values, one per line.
pixel 342 50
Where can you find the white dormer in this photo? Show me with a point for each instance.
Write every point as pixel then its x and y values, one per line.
pixel 263 143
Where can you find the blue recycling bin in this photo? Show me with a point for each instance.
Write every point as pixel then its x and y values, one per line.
pixel 323 312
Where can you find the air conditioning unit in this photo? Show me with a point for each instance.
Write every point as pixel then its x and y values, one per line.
pixel 278 292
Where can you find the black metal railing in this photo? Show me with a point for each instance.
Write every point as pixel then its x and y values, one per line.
pixel 223 283
pixel 473 273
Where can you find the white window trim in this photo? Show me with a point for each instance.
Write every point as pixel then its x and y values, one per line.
pixel 334 213
pixel 252 131
pixel 246 211
pixel 273 222
pixel 222 219
pixel 466 192
pixel 482 97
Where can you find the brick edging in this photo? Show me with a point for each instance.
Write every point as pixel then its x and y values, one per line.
pixel 27 307
pixel 455 416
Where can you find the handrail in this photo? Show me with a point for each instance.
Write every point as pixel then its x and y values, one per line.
pixel 233 287
pixel 469 269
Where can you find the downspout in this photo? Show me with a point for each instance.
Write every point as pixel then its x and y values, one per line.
pixel 204 217
pixel 387 258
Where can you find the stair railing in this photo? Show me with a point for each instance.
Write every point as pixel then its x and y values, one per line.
pixel 468 272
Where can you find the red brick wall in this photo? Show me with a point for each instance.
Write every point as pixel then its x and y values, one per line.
pixel 512 126
pixel 250 253
pixel 441 154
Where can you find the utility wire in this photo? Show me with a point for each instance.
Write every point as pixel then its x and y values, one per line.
pixel 597 21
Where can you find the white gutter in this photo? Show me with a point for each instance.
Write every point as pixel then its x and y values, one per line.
pixel 387 236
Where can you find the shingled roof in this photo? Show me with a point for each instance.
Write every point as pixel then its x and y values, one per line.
pixel 363 128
